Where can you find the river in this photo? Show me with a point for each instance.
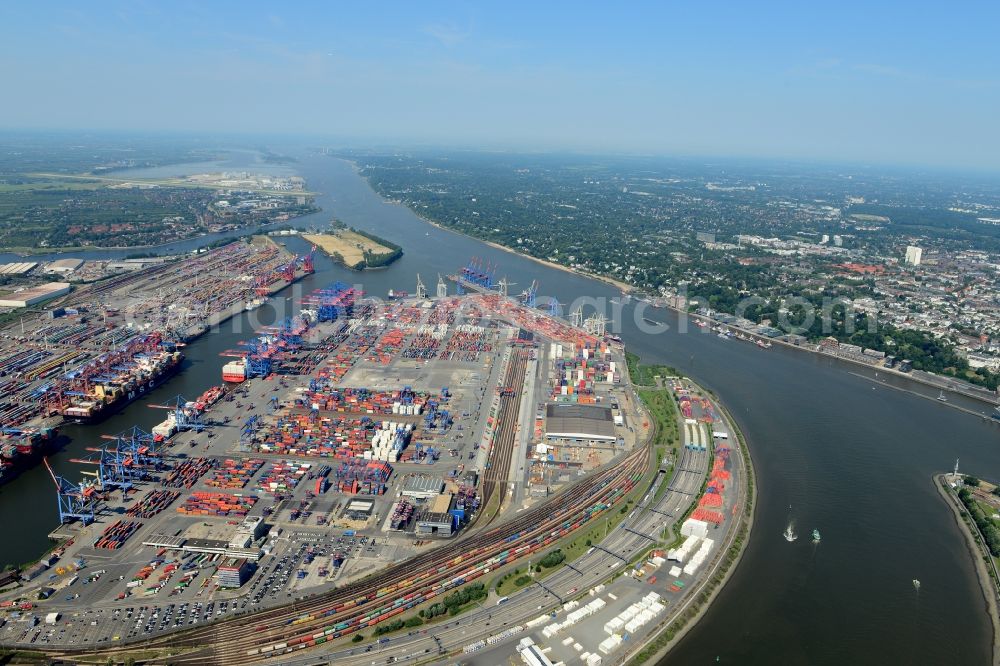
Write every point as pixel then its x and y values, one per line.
pixel 832 451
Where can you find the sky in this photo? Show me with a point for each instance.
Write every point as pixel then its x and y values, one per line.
pixel 907 83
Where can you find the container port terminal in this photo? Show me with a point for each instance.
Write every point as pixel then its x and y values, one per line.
pixel 362 459
pixel 111 342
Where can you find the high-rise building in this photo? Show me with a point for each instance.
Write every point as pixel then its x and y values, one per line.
pixel 913 254
pixel 838 241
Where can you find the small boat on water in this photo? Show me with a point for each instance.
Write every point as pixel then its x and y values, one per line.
pixel 815 536
pixel 942 397
pixel 790 534
pixel 916 584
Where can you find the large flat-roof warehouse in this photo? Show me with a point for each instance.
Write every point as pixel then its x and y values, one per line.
pixel 33 295
pixel 579 422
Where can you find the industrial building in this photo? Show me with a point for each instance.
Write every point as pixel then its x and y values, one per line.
pixel 17 267
pixel 208 546
pixel 579 423
pixel 436 524
pixel 34 295
pixel 359 509
pixel 233 572
pixel 249 531
pixel 419 486
pixel 531 654
pixel 63 266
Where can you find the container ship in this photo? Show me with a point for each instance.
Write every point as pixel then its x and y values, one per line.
pixel 191 409
pixel 105 394
pixel 235 371
pixel 21 449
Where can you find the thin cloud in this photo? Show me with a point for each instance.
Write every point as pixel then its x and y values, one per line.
pixel 447 34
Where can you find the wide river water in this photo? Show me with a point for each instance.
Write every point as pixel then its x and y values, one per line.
pixel 832 451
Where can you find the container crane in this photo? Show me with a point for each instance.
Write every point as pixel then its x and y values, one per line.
pixel 248 432
pixel 186 415
pixel 307 261
pixel 530 295
pixel 76 502
pixel 114 469
pixel 334 302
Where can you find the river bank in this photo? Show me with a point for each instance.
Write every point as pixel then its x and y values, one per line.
pixel 676 627
pixel 973 392
pixel 980 555
pixel 625 287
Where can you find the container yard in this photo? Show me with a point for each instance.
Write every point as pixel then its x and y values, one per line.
pixel 104 345
pixel 373 435
pixel 217 504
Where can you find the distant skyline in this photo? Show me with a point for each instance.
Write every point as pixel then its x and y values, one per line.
pixel 903 83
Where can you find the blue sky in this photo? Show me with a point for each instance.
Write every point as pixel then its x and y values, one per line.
pixel 902 83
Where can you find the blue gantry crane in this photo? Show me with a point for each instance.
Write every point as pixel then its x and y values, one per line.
pixel 186 415
pixel 248 432
pixel 76 502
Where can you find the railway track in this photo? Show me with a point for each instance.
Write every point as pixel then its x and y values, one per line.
pixel 502 451
pixel 358 606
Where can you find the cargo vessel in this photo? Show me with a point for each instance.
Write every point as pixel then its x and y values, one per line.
pixel 189 411
pixel 106 394
pixel 21 449
pixel 235 371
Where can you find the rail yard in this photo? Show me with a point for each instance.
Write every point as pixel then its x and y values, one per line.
pixel 363 461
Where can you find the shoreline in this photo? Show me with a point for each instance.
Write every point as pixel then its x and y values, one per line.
pixel 259 230
pixel 971 392
pixel 977 550
pixel 742 533
pixel 809 349
pixel 326 243
pixel 625 288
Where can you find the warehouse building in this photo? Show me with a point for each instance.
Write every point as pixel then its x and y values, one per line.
pixel 63 266
pixel 435 524
pixel 359 509
pixel 34 295
pixel 568 422
pixel 17 267
pixel 207 546
pixel 419 486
